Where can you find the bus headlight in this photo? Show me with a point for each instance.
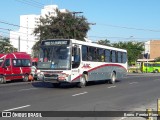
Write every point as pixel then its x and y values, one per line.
pixel 38 71
pixel 40 76
pixel 63 76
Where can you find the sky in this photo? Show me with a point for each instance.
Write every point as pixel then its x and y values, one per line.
pixel 116 20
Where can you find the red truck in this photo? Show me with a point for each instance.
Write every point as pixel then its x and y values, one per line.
pixel 13 66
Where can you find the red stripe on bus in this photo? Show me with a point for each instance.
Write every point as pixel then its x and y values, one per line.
pixel 100 67
pixel 105 66
pixel 77 77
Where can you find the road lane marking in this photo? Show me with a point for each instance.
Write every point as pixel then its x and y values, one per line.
pixel 133 83
pixel 17 108
pixel 122 118
pixel 79 94
pixel 28 89
pixel 112 87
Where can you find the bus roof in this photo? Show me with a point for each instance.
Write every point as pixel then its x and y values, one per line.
pixel 91 44
pixel 96 45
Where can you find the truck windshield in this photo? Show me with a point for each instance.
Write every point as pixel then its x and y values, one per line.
pixel 55 57
pixel 1 61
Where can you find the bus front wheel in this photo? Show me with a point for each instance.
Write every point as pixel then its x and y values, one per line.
pixel 82 82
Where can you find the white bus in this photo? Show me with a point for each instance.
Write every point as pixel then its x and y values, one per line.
pixel 74 61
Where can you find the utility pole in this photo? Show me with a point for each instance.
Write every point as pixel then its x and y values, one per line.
pixel 91 23
pixel 74 14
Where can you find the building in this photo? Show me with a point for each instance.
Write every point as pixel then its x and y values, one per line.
pixel 24 39
pixel 152 49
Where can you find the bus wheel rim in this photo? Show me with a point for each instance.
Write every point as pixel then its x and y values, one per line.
pixel 113 77
pixel 83 81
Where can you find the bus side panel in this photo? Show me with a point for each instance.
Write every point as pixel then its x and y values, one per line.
pixel 102 72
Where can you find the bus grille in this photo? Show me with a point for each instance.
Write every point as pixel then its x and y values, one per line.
pixel 50 75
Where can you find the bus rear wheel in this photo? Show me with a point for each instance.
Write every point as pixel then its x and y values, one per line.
pixel 82 82
pixel 113 78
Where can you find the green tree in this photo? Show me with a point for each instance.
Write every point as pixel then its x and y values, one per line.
pixel 104 42
pixel 64 25
pixel 5 46
pixel 134 49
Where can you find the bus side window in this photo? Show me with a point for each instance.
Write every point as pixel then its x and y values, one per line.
pixel 124 57
pixel 84 53
pixel 107 56
pixel 101 55
pixel 113 56
pixel 76 57
pixel 119 57
pixel 93 54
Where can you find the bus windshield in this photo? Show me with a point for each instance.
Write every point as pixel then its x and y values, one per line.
pixel 55 57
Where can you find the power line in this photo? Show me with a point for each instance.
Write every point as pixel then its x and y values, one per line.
pixel 100 37
pixel 24 40
pixel 39 3
pixel 15 32
pixel 5 29
pixel 4 22
pixel 123 27
pixel 124 38
pixel 30 3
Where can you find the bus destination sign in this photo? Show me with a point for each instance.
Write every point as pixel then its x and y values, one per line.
pixel 56 42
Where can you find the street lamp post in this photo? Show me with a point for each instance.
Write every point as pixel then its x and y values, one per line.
pixel 91 23
pixel 147 61
pixel 74 14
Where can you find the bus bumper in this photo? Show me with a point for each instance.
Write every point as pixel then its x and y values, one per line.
pixel 53 79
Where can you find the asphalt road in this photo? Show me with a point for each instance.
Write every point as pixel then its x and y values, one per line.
pixel 132 93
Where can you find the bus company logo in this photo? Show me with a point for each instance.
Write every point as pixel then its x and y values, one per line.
pixel 6 114
pixel 21 114
pixel 86 66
